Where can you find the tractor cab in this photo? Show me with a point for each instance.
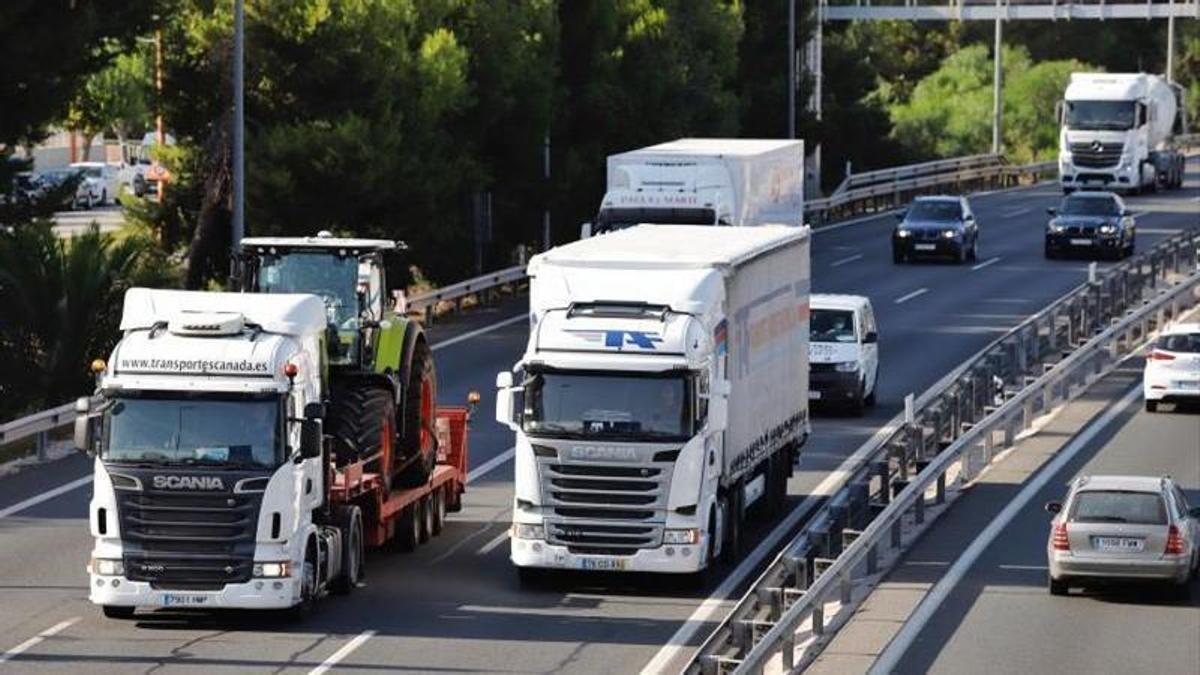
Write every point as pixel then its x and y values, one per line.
pixel 350 275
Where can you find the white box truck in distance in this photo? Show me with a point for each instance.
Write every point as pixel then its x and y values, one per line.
pixel 704 181
pixel 662 397
pixel 1118 133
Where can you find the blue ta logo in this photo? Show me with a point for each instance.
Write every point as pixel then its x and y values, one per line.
pixel 636 338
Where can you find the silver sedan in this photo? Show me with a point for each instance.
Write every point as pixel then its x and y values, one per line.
pixel 1122 528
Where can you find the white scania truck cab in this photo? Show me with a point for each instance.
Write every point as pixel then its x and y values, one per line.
pixel 662 397
pixel 1117 133
pixel 704 181
pixel 207 443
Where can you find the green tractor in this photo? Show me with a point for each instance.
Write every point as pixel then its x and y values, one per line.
pixel 381 385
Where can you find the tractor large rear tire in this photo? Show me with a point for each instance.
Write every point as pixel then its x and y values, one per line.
pixel 420 406
pixel 362 419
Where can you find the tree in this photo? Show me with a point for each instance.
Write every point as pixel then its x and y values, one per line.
pixel 116 100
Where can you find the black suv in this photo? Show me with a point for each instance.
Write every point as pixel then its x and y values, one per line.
pixel 1096 224
pixel 936 226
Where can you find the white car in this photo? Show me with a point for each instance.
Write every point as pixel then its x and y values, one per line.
pixel 843 351
pixel 1173 367
pixel 101 178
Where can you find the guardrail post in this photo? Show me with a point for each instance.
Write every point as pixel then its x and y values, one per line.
pixel 940 491
pixel 41 446
pixel 881 469
pixel 919 508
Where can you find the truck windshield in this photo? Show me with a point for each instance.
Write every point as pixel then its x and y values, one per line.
pixel 1101 115
pixel 233 432
pixel 831 325
pixel 334 278
pixel 627 406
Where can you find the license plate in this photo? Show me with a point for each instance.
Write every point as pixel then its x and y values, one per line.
pixel 925 247
pixel 814 395
pixel 182 600
pixel 602 564
pixel 1118 544
pixel 1081 242
pixel 1188 385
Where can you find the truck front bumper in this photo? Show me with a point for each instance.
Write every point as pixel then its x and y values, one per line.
pixel 1080 177
pixel 254 594
pixel 674 559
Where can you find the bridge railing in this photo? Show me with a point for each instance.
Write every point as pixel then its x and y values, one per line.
pixel 903 469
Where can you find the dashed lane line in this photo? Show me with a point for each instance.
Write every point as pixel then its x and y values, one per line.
pixel 342 653
pixel 985 263
pixel 35 640
pixel 909 296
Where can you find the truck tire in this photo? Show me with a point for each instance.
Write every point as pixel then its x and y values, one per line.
pixel 362 423
pixel 408 529
pixel 735 516
pixel 349 519
pixel 118 611
pixel 438 500
pixel 309 592
pixel 420 406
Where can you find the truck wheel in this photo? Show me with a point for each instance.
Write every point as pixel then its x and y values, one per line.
pixel 735 515
pixel 308 587
pixel 350 521
pixel 420 406
pixel 362 421
pixel 426 518
pixel 118 611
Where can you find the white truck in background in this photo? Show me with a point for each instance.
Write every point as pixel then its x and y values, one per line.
pixel 1117 133
pixel 662 397
pixel 704 181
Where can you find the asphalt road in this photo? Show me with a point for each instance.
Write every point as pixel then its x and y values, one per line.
pixel 999 617
pixel 70 223
pixel 454 605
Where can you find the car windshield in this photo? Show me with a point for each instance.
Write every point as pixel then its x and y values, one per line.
pixel 334 278
pixel 234 432
pixel 1186 343
pixel 91 171
pixel 1089 206
pixel 935 210
pixel 831 325
pixel 1114 506
pixel 626 406
pixel 1100 115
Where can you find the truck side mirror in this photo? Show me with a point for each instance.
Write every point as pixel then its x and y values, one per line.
pixel 84 426
pixel 585 230
pixel 1058 111
pixel 314 410
pixel 311 439
pixel 718 412
pixel 504 399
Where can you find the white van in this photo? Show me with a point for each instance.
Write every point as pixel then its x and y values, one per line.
pixel 843 352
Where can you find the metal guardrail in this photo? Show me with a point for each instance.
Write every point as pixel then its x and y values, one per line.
pixel 1000 388
pixel 890 188
pixel 426 302
pixel 39 425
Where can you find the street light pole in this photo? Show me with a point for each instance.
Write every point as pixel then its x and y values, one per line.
pixel 997 86
pixel 239 159
pixel 791 42
pixel 158 88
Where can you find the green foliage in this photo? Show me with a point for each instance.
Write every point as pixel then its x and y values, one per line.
pixel 950 111
pixel 62 301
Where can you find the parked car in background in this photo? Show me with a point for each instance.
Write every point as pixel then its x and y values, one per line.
pixel 1092 223
pixel 103 177
pixel 1173 367
pixel 70 187
pixel 936 226
pixel 1122 528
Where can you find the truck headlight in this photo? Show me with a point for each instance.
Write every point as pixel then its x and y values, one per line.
pixel 528 531
pixel 950 234
pixel 689 536
pixel 106 567
pixel 846 366
pixel 273 570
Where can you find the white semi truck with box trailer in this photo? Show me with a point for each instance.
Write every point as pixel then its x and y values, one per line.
pixel 704 181
pixel 662 398
pixel 1118 131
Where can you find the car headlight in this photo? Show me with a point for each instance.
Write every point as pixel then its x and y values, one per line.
pixel 846 366
pixel 690 536
pixel 270 570
pixel 528 531
pixel 1108 229
pixel 950 234
pixel 902 233
pixel 1056 227
pixel 107 567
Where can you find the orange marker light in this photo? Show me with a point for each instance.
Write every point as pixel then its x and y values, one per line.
pixel 290 370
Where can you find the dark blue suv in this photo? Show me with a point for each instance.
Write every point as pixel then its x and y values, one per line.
pixel 1095 224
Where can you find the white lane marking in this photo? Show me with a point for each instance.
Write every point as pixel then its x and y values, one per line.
pixel 342 653
pixel 1139 214
pixel 1017 212
pixel 985 263
pixel 712 605
pixel 33 641
pixel 905 298
pixel 493 544
pixel 45 496
pixel 479 331
pixel 479 471
pixel 1024 568
pixel 890 658
pixel 844 261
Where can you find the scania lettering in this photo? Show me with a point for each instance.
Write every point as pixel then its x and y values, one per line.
pixel 704 181
pixel 221 487
pixel 651 455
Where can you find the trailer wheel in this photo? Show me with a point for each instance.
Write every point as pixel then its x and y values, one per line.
pixel 420 406
pixel 352 551
pixel 439 510
pixel 118 611
pixel 363 423
pixel 426 518
pixel 408 528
